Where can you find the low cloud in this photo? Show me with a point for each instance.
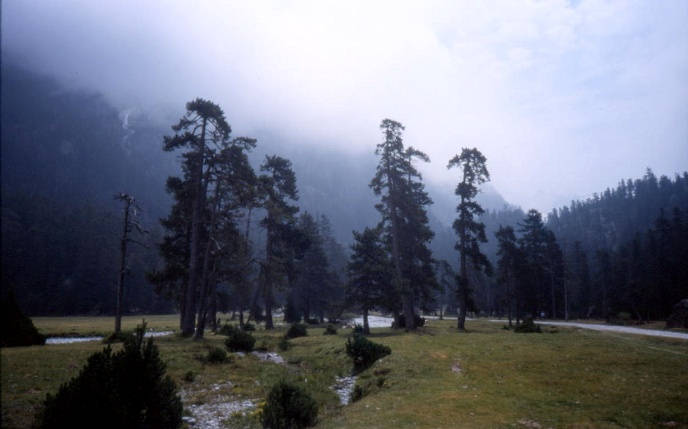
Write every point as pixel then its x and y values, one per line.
pixel 564 98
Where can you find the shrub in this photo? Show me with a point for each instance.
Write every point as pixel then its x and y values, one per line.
pixel 624 316
pixel 380 381
pixel 227 329
pixel 189 376
pixel 365 352
pixel 330 330
pixel 284 344
pixel 679 315
pixel 358 329
pixel 312 321
pixel 116 337
pixel 297 330
pixel 249 327
pixel 420 321
pixel 527 326
pixel 263 346
pixel 289 406
pixel 357 393
pixel 238 340
pixel 216 355
pixel 128 388
pixel 15 328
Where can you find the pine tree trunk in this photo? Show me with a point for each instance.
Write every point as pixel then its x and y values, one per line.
pixel 194 251
pixel 122 268
pixel 253 309
pixel 366 326
pixel 212 312
pixel 267 278
pixel 566 302
pixel 508 299
pixel 406 297
pixel 554 305
pixel 463 275
pixel 203 302
pixel 202 309
pixel 207 285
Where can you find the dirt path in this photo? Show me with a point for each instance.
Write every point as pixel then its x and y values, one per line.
pixel 613 328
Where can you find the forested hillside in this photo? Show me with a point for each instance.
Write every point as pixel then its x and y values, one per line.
pixel 65 154
pixel 626 248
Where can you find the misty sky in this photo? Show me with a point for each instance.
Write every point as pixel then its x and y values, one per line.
pixel 563 97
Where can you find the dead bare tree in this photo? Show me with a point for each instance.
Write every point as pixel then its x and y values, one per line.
pixel 128 226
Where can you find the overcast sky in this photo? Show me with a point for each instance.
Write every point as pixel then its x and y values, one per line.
pixel 563 97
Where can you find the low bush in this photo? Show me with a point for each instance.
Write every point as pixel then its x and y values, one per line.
pixel 296 330
pixel 189 376
pixel 358 329
pixel 380 381
pixel 284 344
pixel 330 330
pixel 216 355
pixel 420 321
pixel 116 337
pixel 249 327
pixel 365 387
pixel 679 315
pixel 237 340
pixel 312 321
pixel 527 326
pixel 357 393
pixel 289 406
pixel 365 352
pixel 226 329
pixel 15 328
pixel 262 346
pixel 128 388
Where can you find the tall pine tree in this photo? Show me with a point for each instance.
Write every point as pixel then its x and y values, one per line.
pixel 278 184
pixel 470 232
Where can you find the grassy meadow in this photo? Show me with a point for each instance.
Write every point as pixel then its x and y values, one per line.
pixel 436 378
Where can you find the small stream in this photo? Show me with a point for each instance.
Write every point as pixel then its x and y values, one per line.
pixel 343 387
pixel 374 321
pixel 72 340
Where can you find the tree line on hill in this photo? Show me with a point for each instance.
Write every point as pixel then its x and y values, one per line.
pixel 626 249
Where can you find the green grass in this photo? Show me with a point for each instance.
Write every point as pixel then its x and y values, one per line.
pixel 573 378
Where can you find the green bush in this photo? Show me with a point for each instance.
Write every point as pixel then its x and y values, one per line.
pixel 358 330
pixel 262 346
pixel 216 355
pixel 289 407
pixel 237 340
pixel 365 352
pixel 296 330
pixel 330 330
pixel 420 321
pixel 284 344
pixel 128 388
pixel 249 327
pixel 527 326
pixel 227 329
pixel 15 328
pixel 357 393
pixel 116 337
